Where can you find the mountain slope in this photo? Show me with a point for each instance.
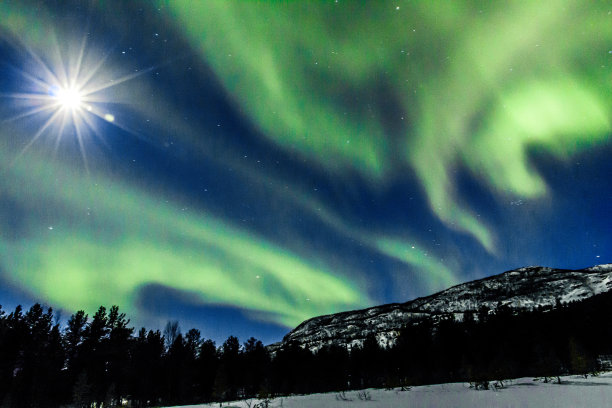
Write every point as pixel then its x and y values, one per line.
pixel 520 288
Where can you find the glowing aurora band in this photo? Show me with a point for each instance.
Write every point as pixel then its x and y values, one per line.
pixel 421 261
pixel 466 103
pixel 473 84
pixel 93 241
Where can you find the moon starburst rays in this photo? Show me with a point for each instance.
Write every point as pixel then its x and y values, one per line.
pixel 66 96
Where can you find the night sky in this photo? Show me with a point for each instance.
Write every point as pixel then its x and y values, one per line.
pixel 243 166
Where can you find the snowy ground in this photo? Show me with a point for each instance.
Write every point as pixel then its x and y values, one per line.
pixel 523 392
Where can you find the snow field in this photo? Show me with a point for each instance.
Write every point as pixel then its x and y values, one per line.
pixel 573 392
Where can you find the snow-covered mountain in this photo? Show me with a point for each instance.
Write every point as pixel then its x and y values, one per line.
pixel 520 288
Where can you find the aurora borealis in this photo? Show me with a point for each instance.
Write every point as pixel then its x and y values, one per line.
pixel 252 164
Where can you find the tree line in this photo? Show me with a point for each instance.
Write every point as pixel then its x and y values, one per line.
pixel 100 361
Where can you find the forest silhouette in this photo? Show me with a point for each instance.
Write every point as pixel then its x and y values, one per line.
pixel 100 361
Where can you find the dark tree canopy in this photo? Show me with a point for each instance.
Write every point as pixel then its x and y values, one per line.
pixel 101 361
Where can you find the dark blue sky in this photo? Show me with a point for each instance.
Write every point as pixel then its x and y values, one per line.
pixel 241 167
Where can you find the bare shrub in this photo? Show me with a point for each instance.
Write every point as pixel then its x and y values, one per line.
pixel 341 396
pixel 364 395
pixel 480 385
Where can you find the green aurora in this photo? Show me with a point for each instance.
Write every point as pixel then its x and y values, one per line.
pixel 384 91
pixel 480 83
pixel 107 241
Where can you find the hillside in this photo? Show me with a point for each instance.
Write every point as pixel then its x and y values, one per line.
pixel 523 288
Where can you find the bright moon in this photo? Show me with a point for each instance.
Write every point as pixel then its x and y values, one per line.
pixel 69 98
pixel 66 95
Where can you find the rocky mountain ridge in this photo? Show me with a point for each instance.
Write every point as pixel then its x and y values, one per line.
pixel 522 288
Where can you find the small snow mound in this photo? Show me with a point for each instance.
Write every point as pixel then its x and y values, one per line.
pixel 600 268
pixel 528 268
pixel 534 269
